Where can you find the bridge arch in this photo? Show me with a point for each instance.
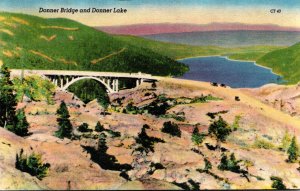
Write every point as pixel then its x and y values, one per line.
pixel 66 86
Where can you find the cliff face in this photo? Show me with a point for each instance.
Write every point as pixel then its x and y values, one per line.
pixel 175 162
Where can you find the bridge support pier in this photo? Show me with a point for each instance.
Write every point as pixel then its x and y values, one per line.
pixel 116 85
pixel 61 83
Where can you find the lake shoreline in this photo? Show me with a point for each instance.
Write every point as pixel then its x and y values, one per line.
pixel 219 68
pixel 254 62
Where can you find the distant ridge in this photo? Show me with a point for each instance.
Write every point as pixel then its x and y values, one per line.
pixel 161 28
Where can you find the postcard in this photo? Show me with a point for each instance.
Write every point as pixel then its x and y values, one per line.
pixel 149 95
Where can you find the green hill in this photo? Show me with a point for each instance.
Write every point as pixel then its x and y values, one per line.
pixel 285 62
pixel 36 43
pixel 178 51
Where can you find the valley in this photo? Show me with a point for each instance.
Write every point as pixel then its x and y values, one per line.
pixel 127 120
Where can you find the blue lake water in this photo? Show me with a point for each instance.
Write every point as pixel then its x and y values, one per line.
pixel 236 74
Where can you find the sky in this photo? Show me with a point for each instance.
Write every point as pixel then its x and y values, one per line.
pixel 167 11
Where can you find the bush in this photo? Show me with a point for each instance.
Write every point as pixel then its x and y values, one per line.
pixel 32 164
pixel 99 127
pixel 263 144
pixel 277 183
pixel 35 88
pixel 236 123
pixel 220 129
pixel 207 164
pixel 285 142
pixel 230 164
pixel 113 133
pixel 197 137
pixel 84 127
pixel 171 128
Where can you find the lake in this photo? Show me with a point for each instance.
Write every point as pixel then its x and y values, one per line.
pixel 236 74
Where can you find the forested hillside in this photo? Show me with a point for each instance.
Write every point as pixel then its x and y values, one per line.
pixel 36 43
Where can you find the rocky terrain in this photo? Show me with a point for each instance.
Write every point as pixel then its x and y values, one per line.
pixel 281 97
pixel 176 162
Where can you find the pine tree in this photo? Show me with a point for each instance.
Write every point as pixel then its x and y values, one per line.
pixel 65 126
pixel 99 127
pixel 293 151
pixel 21 126
pixel 8 101
pixel 220 129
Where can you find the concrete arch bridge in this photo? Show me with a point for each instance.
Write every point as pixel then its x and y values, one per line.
pixel 64 78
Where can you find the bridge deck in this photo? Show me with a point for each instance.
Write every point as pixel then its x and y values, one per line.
pixel 17 72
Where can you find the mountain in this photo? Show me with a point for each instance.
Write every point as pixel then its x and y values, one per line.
pixel 37 43
pixel 284 61
pixel 230 38
pixel 179 51
pixel 162 28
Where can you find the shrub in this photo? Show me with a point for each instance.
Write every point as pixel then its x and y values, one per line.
pixel 204 99
pixel 130 108
pixel 263 144
pixel 230 164
pixel 197 137
pixel 171 128
pixel 177 116
pixel 236 123
pixel 213 115
pixel 277 183
pixel 84 127
pixel 220 129
pixel 99 127
pixel 285 142
pixel 207 164
pixel 113 133
pixel 34 87
pixel 32 164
